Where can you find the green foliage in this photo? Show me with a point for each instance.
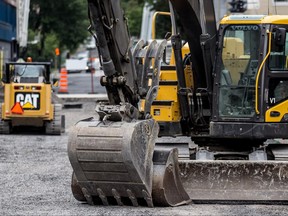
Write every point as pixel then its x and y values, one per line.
pixel 133 11
pixel 163 22
pixel 51 42
pixel 63 24
pixel 59 23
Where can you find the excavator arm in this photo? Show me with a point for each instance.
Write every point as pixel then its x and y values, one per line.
pixel 112 155
pixel 126 71
pixel 199 30
pixel 109 27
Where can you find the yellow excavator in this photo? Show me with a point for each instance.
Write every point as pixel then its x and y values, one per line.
pixel 234 111
pixel 165 109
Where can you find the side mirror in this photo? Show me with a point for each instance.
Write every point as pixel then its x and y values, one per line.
pixel 280 36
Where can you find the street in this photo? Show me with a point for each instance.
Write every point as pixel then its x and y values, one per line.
pixel 80 83
pixel 196 110
pixel 36 173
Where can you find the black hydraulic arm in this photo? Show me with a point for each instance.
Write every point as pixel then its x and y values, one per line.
pixel 126 72
pixel 109 28
pixel 182 92
pixel 197 18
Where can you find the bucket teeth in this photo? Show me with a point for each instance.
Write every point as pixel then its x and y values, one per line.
pixel 117 197
pixel 132 198
pixel 87 196
pixel 102 197
pixel 148 198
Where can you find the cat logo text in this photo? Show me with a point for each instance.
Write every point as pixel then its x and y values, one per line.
pixel 28 101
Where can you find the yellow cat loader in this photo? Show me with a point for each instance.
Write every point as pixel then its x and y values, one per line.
pixel 234 111
pixel 28 99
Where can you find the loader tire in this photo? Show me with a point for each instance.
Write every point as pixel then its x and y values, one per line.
pixel 54 127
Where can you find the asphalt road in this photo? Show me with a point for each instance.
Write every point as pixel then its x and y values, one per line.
pixel 35 176
pixel 81 83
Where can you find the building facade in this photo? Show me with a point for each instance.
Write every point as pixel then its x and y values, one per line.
pixel 275 7
pixel 8 29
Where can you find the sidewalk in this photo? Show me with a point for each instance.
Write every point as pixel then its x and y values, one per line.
pixel 70 98
pixel 82 97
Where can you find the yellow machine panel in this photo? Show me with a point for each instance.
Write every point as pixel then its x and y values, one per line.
pixel 27 99
pixel 169 112
pixel 168 75
pixel 35 100
pixel 276 113
pixel 166 109
pixel 167 93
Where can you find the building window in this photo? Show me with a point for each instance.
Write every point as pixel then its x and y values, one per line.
pixel 280 2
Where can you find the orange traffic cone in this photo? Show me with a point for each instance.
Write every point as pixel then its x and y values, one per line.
pixel 63 81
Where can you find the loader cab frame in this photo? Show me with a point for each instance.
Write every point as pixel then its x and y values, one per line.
pixel 251 79
pixel 27 72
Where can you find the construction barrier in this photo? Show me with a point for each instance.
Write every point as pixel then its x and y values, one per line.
pixel 63 88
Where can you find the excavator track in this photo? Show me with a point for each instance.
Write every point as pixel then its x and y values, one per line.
pixel 114 164
pixel 5 127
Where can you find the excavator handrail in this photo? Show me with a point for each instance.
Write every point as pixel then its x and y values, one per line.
pixel 259 72
pixel 154 21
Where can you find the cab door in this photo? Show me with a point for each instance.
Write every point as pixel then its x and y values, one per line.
pixel 276 91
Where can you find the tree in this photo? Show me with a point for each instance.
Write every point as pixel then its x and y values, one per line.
pixel 63 22
pixel 133 11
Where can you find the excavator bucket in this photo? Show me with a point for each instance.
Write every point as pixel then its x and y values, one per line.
pixel 113 164
pixel 235 181
pixel 167 186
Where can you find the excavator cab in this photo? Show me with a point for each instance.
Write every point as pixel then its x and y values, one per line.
pixel 250 70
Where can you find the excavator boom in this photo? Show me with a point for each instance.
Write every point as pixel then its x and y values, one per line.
pixel 112 155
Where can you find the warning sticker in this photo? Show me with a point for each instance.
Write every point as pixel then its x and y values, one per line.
pixel 17 109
